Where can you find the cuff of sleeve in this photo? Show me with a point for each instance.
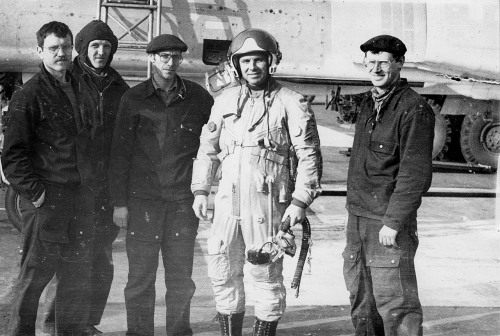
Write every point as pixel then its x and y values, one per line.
pixel 200 192
pixel 40 189
pixel 119 204
pixel 391 224
pixel 299 203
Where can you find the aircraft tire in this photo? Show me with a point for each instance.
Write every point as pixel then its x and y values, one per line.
pixel 442 137
pixel 442 131
pixel 12 208
pixel 480 139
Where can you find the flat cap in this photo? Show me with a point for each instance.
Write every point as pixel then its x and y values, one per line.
pixel 166 42
pixel 385 43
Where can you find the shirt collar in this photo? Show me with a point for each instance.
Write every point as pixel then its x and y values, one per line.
pixel 158 87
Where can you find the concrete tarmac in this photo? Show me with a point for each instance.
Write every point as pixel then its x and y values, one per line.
pixel 457 268
pixel 458 264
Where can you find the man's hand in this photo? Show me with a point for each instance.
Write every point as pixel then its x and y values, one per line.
pixel 296 214
pixel 387 236
pixel 200 206
pixel 120 217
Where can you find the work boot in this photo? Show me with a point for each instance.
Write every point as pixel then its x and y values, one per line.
pixel 231 325
pixel 264 328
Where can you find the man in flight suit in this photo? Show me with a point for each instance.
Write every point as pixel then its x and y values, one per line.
pixel 253 131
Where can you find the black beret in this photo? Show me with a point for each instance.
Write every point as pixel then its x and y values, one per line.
pixel 165 42
pixel 385 43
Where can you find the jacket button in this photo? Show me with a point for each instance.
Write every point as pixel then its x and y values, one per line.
pixel 81 232
pixel 156 237
pixel 392 261
pixel 369 261
pixel 352 256
pixel 381 146
pixel 177 234
pixel 260 220
pixel 131 233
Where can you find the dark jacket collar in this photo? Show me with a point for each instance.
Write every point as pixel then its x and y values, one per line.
pixel 182 90
pixel 111 73
pixel 51 80
pixel 400 87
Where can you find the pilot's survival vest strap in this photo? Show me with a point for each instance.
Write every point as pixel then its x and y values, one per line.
pixel 268 155
pixel 256 150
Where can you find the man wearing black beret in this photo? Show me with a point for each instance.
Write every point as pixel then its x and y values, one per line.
pixel 156 138
pixel 389 170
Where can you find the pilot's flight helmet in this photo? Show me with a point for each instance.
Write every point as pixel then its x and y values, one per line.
pixel 252 40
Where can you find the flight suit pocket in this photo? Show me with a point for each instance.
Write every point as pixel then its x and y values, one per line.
pixel 386 275
pixel 265 273
pixel 218 263
pixel 351 269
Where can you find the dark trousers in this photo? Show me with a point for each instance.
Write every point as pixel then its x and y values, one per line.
pixel 382 280
pixel 100 281
pixel 41 260
pixel 169 227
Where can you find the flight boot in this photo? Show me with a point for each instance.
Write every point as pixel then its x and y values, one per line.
pixel 231 325
pixel 264 328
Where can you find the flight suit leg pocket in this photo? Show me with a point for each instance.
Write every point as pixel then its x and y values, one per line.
pixel 218 262
pixel 386 275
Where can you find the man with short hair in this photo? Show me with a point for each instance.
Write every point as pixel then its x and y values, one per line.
pixel 96 44
pixel 389 170
pixel 263 141
pixel 46 160
pixel 155 141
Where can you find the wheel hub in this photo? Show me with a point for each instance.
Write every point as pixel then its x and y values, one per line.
pixel 492 138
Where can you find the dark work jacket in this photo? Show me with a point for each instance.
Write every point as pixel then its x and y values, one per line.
pixel 154 145
pixel 105 103
pixel 390 166
pixel 46 144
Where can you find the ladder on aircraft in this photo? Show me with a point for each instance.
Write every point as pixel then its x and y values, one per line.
pixel 137 40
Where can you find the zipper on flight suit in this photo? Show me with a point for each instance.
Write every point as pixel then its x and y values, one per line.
pixel 236 186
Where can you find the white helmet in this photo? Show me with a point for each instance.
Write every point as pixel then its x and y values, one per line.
pixel 252 40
